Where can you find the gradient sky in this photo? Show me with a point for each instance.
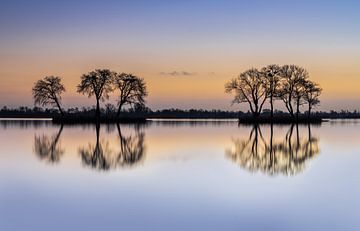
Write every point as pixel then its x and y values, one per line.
pixel 185 50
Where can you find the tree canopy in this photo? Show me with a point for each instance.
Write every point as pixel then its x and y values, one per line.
pixel 249 87
pixel 47 91
pixel 290 83
pixel 132 90
pixel 312 94
pixel 97 83
pixel 272 77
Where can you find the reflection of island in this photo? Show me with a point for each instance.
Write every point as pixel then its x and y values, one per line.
pixel 49 148
pixel 101 156
pixel 286 157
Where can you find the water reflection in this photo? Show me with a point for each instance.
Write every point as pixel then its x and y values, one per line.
pixel 265 150
pixel 128 151
pixel 132 148
pixel 24 123
pixel 101 156
pixel 49 148
pixel 287 156
pixel 97 155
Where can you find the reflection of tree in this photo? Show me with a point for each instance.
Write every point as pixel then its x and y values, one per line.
pixel 131 148
pixel 48 147
pixel 101 156
pixel 286 157
pixel 98 155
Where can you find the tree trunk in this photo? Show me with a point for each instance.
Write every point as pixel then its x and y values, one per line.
pixel 97 108
pixel 58 105
pixel 290 107
pixel 271 107
pixel 119 110
pixel 309 111
pixel 256 109
pixel 297 108
pixel 286 105
pixel 291 111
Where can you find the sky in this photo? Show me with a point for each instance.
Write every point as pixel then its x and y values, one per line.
pixel 185 50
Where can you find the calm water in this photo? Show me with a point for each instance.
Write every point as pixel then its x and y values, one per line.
pixel 179 176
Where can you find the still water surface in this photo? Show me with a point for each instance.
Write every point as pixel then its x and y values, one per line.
pixel 183 175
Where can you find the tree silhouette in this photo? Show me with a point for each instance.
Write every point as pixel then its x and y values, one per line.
pixel 47 91
pixel 311 96
pixel 289 83
pixel 249 87
pixel 48 148
pixel 97 83
pixel 132 90
pixel 272 74
pixel 292 87
pixel 299 89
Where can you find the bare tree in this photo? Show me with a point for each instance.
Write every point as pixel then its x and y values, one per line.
pixel 132 90
pixel 311 96
pixel 97 83
pixel 287 87
pixel 301 76
pixel 292 87
pixel 47 91
pixel 272 74
pixel 249 87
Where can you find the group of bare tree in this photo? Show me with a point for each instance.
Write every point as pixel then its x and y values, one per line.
pixel 99 83
pixel 289 83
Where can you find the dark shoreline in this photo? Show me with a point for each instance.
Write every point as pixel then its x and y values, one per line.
pixel 83 119
pixel 92 120
pixel 87 115
pixel 281 120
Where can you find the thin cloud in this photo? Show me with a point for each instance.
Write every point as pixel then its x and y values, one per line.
pixel 178 73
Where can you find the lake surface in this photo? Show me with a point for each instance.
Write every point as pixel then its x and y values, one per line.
pixel 179 175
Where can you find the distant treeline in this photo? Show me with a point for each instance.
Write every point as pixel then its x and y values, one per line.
pixel 37 112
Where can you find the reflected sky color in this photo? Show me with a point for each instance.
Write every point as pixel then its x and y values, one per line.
pixel 185 181
pixel 211 40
